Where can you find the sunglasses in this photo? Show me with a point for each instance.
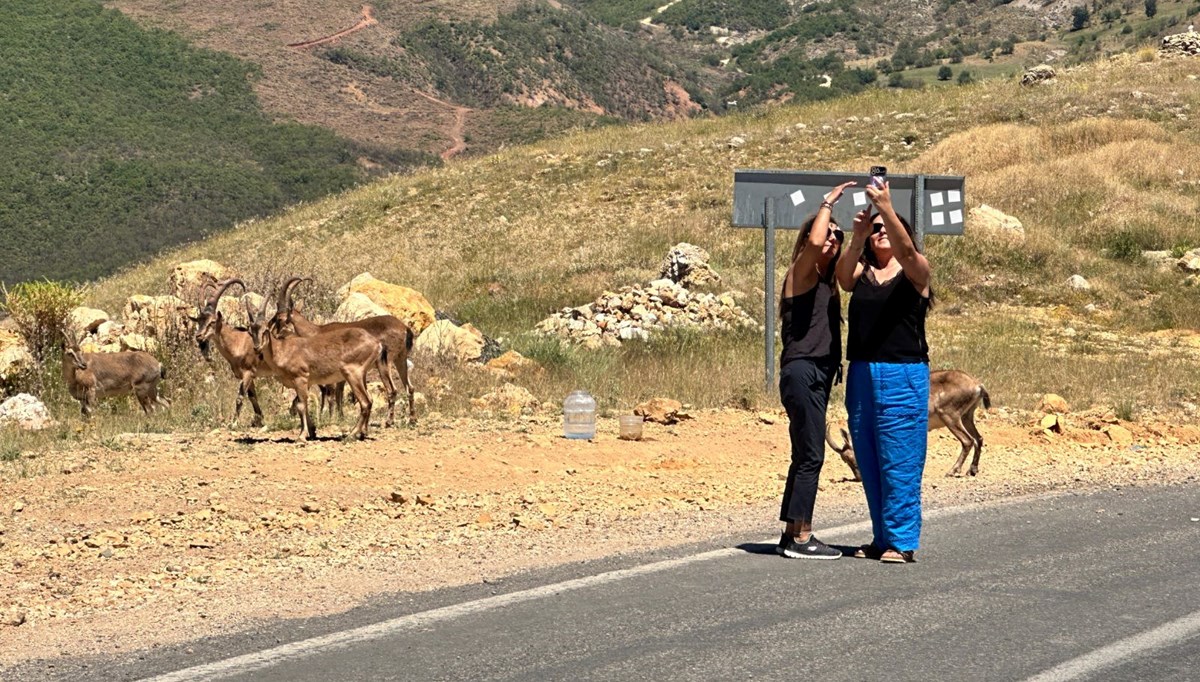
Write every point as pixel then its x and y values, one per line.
pixel 838 235
pixel 876 228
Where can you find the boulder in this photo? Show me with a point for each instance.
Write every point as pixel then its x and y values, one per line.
pixel 1119 435
pixel 513 363
pixel 109 332
pixel 358 307
pixel 233 308
pixel 443 340
pixel 25 412
pixel 687 264
pixel 137 342
pixel 1078 283
pixel 14 355
pixel 156 315
pixel 1053 403
pixel 187 279
pixel 994 220
pixel 407 304
pixel 661 411
pixel 1190 262
pixel 509 399
pixel 83 321
pixel 1043 73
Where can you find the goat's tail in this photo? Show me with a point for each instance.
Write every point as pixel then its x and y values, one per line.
pixel 408 339
pixel 987 399
pixel 162 372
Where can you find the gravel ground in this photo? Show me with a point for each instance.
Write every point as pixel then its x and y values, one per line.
pixel 158 539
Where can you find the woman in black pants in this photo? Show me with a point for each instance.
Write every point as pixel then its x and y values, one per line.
pixel 811 310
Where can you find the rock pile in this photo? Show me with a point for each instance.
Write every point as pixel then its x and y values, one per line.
pixel 634 312
pixel 1042 73
pixel 1181 45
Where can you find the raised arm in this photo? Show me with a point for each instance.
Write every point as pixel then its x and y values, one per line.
pixel 801 274
pixel 914 264
pixel 849 265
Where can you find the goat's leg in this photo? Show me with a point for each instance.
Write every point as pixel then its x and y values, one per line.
pixel 252 394
pixel 954 425
pixel 969 423
pixel 389 390
pixel 401 362
pixel 358 386
pixel 308 430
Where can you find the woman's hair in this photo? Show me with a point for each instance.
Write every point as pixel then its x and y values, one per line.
pixel 868 255
pixel 801 241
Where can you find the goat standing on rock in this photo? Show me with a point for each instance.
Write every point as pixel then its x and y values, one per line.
pixel 953 397
pixel 92 376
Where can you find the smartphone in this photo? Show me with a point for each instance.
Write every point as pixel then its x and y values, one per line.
pixel 878 176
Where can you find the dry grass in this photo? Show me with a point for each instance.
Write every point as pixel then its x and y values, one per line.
pixel 1081 163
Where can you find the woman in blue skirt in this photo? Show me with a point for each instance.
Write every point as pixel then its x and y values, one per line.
pixel 887 385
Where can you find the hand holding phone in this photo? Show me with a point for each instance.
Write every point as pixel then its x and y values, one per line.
pixel 878 176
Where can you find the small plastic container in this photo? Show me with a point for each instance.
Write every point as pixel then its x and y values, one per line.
pixel 579 416
pixel 631 427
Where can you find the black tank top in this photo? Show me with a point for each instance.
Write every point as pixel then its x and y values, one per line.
pixel 812 324
pixel 887 321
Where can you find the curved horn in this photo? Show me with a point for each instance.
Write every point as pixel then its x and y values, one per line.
pixel 221 288
pixel 282 302
pixel 291 303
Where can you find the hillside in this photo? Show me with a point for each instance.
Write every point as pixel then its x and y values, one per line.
pixel 1095 174
pixel 121 142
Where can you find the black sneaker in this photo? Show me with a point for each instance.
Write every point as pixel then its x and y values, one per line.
pixel 813 549
pixel 784 539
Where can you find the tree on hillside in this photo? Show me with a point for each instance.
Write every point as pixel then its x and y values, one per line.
pixel 956 56
pixel 1151 8
pixel 964 77
pixel 945 73
pixel 1080 16
pixel 1111 15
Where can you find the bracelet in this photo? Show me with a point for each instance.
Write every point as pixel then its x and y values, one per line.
pixel 826 204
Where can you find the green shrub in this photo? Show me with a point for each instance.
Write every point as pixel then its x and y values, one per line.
pixel 39 310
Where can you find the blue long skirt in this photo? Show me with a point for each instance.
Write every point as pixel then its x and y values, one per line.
pixel 888 409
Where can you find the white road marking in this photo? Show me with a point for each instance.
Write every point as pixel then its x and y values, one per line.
pixel 337 640
pixel 1118 652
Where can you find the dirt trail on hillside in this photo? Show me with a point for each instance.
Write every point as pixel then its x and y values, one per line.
pixel 367 19
pixel 456 131
pixel 153 538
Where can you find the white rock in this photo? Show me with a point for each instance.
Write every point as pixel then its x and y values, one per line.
pixel 1078 283
pixel 26 412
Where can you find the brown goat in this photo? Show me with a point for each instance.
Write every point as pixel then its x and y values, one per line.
pixel 92 376
pixel 235 345
pixel 953 397
pixel 390 330
pixel 326 358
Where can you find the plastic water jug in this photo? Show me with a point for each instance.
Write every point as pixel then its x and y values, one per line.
pixel 579 416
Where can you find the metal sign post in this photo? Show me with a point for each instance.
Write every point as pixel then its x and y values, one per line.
pixel 782 199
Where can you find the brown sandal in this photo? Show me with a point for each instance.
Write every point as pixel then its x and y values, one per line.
pixel 892 556
pixel 868 551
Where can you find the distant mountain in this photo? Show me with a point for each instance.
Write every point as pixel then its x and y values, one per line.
pixel 120 142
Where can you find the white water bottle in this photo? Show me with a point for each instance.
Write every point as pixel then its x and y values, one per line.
pixel 579 416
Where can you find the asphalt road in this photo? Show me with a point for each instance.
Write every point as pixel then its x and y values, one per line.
pixel 1086 586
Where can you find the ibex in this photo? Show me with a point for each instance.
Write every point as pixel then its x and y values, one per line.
pixel 953 397
pixel 390 330
pixel 92 376
pixel 325 358
pixel 235 345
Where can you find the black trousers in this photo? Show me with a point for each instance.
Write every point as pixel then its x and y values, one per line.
pixel 804 386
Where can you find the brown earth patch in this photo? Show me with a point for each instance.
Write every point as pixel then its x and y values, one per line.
pixel 158 538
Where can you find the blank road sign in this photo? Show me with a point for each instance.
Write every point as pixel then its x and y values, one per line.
pixel 798 195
